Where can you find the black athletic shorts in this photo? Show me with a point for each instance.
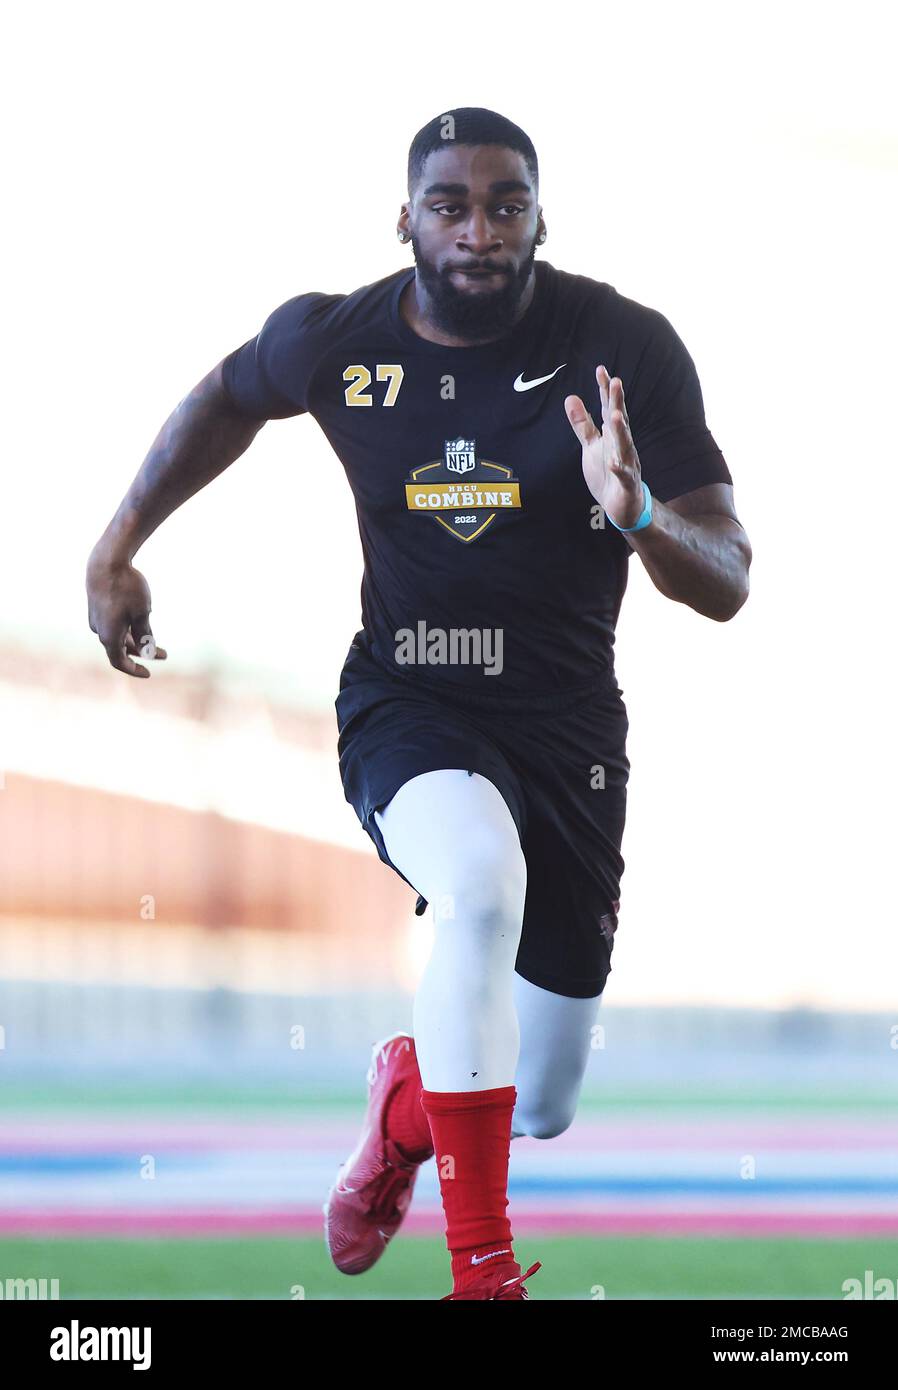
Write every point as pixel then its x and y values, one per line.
pixel 562 768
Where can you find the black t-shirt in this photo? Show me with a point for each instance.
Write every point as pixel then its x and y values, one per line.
pixel 473 511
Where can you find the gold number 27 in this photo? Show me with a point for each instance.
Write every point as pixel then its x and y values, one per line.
pixel 359 378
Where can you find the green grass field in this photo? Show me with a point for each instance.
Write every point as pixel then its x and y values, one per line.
pixel 267 1097
pixel 417 1267
pixel 639 1267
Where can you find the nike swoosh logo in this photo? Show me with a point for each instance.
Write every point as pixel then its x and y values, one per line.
pixel 522 385
pixel 482 1259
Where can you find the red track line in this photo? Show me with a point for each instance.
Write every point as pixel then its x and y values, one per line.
pixel 303 1222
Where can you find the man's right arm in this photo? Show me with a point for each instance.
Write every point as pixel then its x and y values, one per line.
pixel 200 439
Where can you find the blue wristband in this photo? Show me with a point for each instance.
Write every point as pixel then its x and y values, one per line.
pixel 646 512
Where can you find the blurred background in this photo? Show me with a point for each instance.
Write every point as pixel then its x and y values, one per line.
pixel 198 944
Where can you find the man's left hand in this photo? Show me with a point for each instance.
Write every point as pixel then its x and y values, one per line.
pixel 610 461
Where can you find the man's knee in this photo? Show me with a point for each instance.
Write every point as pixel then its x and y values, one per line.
pixel 488 882
pixel 543 1118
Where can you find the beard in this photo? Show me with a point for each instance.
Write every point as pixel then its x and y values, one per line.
pixel 484 314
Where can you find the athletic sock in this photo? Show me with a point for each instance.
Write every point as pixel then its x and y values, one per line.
pixel 405 1122
pixel 471 1137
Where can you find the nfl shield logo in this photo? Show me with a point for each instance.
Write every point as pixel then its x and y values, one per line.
pixel 460 455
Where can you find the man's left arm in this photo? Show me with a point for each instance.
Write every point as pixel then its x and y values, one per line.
pixel 697 551
pixel 694 547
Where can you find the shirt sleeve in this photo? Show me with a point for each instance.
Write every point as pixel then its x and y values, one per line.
pixel 269 376
pixel 677 451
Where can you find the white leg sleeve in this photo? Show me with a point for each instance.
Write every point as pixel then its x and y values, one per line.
pixel 556 1038
pixel 455 840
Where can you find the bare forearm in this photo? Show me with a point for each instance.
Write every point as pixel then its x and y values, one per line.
pixel 701 561
pixel 199 440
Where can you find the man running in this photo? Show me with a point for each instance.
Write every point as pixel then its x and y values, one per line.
pixel 511 433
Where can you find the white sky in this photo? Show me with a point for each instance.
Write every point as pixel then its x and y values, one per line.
pixel 178 170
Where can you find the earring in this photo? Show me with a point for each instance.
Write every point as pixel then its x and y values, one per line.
pixel 402 236
pixel 540 239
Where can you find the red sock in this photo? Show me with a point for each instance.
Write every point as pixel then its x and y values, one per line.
pixel 405 1121
pixel 472 1137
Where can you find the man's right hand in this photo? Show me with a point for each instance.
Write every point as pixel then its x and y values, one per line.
pixel 118 610
pixel 204 434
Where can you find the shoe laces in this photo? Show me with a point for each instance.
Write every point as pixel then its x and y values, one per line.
pixel 512 1290
pixel 390 1189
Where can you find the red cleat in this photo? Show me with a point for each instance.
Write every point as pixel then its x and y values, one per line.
pixel 366 1205
pixel 496 1289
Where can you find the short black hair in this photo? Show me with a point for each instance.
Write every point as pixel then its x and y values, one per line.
pixel 469 125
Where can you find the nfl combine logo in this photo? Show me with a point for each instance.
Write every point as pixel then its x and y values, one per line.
pixel 462 493
pixel 460 455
